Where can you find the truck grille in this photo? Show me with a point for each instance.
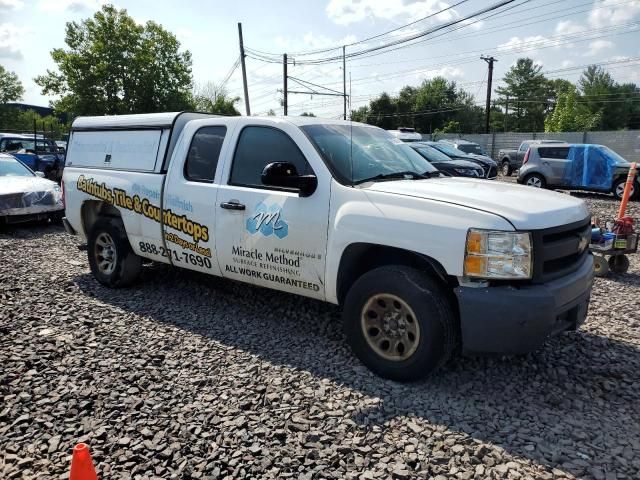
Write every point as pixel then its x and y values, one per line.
pixel 560 250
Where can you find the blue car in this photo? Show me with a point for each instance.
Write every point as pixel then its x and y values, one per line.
pixel 41 154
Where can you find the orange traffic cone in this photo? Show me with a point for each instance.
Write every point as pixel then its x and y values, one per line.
pixel 82 464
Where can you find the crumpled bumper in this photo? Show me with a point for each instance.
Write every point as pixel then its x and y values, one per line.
pixel 30 203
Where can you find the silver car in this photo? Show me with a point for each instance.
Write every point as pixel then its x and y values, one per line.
pixel 575 166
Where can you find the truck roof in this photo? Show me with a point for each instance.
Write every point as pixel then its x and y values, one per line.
pixel 120 121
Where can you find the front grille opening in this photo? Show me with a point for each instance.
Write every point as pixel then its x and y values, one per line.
pixel 559 264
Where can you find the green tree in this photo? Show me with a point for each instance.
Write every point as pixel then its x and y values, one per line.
pixel 307 114
pixel 450 127
pixel 11 88
pixel 212 98
pixel 570 115
pixel 529 94
pixel 113 66
pixel 428 107
pixel 615 102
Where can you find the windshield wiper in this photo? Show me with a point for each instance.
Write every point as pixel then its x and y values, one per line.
pixel 436 173
pixel 395 176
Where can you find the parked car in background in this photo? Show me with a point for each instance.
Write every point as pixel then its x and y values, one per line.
pixel 39 154
pixel 62 146
pixel 471 148
pixel 489 166
pixel 25 195
pixel 454 167
pixel 406 134
pixel 510 160
pixel 577 167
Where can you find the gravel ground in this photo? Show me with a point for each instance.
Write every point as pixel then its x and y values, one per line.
pixel 184 376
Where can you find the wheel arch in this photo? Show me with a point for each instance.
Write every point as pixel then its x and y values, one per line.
pixel 92 210
pixel 360 258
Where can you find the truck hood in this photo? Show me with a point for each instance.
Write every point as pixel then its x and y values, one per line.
pixel 525 207
pixel 10 184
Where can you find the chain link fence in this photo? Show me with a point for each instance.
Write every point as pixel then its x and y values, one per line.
pixel 624 142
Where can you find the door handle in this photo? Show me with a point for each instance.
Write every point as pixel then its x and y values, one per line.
pixel 232 205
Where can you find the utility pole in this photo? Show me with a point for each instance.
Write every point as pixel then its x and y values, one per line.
pixel 344 81
pixel 490 61
pixel 244 71
pixel 506 114
pixel 284 78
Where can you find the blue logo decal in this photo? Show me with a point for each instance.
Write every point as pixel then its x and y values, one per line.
pixel 268 221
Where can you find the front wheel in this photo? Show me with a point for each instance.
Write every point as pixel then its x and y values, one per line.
pixel 399 322
pixel 535 180
pixel 618 189
pixel 600 266
pixel 111 258
pixel 506 169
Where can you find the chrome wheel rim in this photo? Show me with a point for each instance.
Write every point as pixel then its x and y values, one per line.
pixel 620 190
pixel 505 169
pixel 534 182
pixel 390 327
pixel 105 253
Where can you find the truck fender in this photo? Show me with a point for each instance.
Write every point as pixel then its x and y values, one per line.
pixel 359 258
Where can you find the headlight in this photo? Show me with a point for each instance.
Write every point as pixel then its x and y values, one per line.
pixel 498 255
pixel 467 172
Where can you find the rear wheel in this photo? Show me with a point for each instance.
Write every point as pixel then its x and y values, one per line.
pixel 111 258
pixel 535 180
pixel 506 168
pixel 399 322
pixel 619 263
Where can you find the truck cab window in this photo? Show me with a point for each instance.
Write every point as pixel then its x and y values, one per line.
pixel 204 151
pixel 260 146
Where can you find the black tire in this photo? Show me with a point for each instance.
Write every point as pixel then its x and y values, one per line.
pixel 532 177
pixel 126 266
pixel 506 169
pixel 435 321
pixel 618 188
pixel 600 266
pixel 619 263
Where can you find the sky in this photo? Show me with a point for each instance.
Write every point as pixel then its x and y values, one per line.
pixel 562 36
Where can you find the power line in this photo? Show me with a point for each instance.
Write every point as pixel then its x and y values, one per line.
pixel 402 41
pixel 330 49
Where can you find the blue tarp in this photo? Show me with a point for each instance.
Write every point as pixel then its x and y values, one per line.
pixel 590 166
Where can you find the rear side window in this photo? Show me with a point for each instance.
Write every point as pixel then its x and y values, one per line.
pixel 524 147
pixel 260 146
pixel 204 152
pixel 554 152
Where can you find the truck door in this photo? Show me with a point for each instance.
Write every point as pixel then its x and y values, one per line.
pixel 269 236
pixel 189 200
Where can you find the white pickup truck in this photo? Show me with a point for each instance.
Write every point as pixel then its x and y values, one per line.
pixel 421 263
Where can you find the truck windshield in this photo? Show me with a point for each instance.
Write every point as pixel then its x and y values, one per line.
pixel 357 153
pixel 10 167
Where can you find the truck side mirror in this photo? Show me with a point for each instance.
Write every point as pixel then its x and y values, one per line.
pixel 39 174
pixel 285 175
